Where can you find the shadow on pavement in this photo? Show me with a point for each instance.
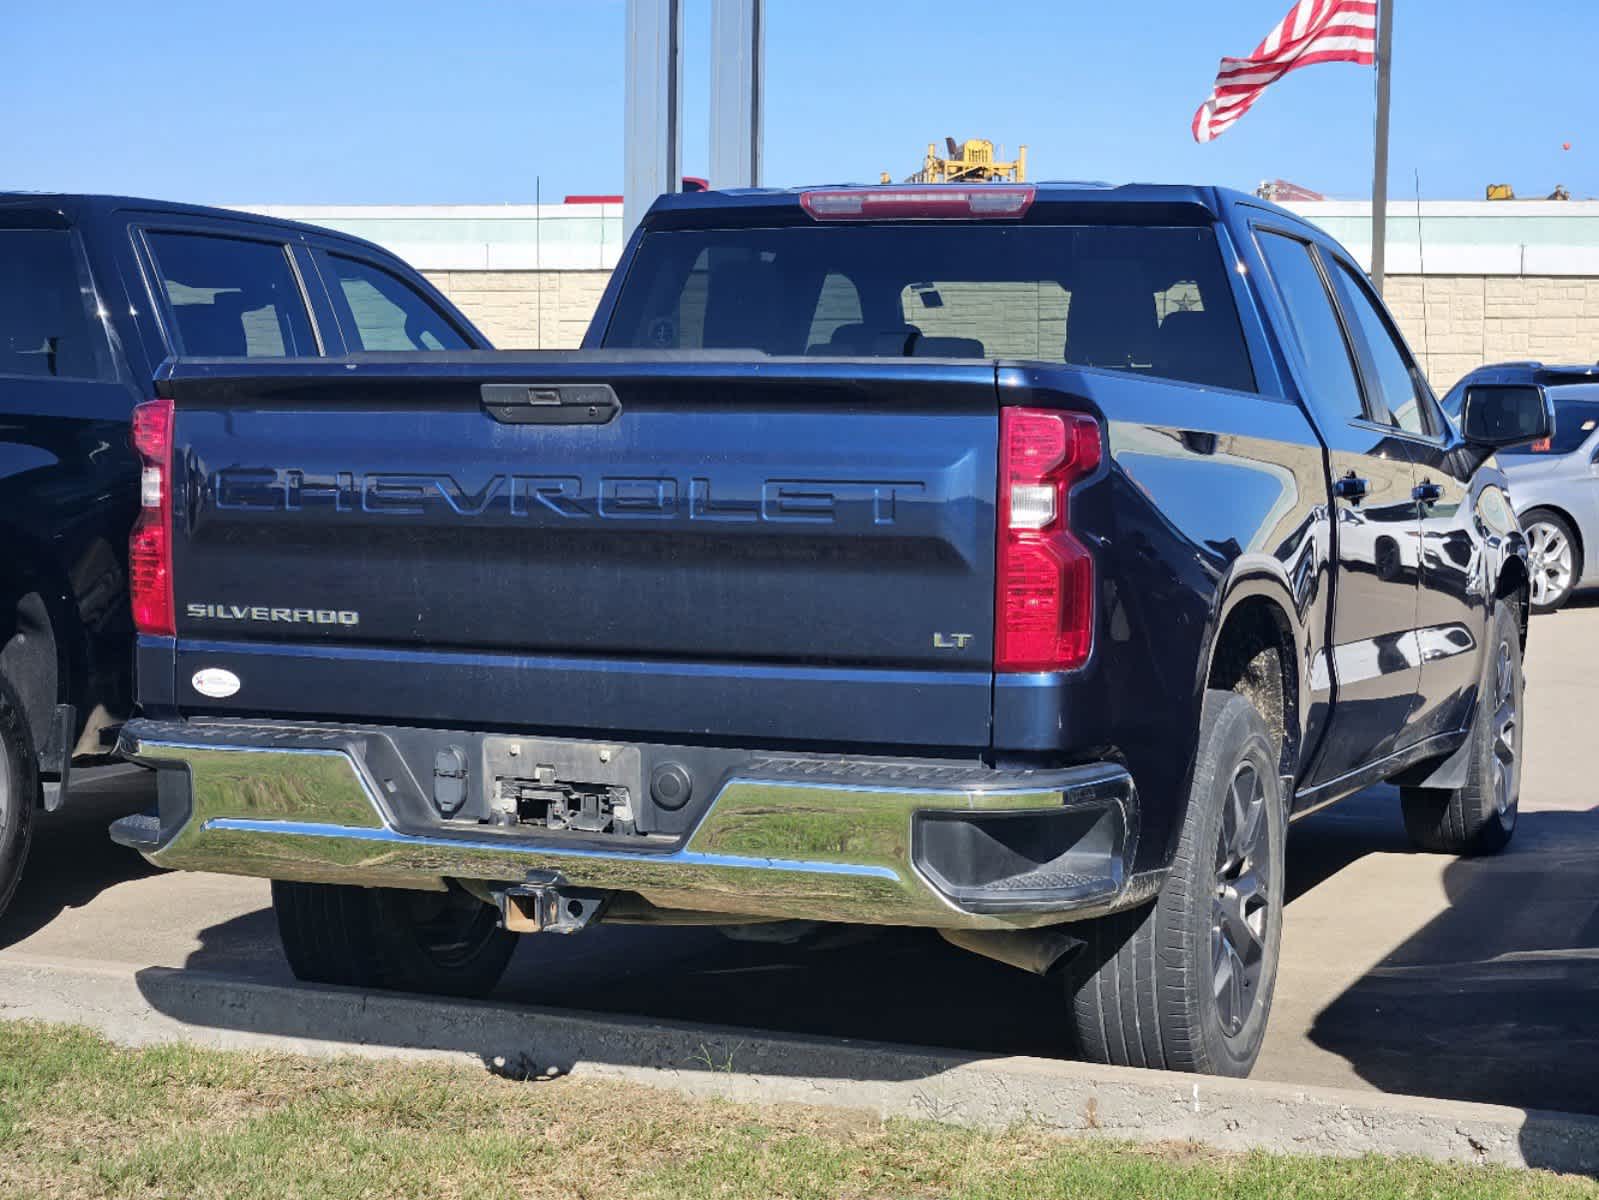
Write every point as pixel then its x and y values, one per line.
pixel 72 859
pixel 904 986
pixel 1495 999
pixel 1330 841
pixel 1492 1001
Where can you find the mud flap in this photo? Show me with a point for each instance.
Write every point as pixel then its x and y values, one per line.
pixel 1448 773
pixel 55 757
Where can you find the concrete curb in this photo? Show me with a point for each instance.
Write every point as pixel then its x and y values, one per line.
pixel 159 1004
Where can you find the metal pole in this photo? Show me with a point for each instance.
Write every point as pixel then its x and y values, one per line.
pixel 1379 182
pixel 738 84
pixel 653 109
pixel 538 258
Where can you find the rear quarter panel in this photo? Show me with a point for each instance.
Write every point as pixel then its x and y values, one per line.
pixel 1208 498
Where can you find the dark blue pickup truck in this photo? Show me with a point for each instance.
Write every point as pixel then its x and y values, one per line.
pixel 96 293
pixel 1009 561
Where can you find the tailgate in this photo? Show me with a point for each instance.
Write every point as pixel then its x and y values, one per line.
pixel 794 551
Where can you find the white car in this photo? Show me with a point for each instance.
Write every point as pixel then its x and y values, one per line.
pixel 1554 483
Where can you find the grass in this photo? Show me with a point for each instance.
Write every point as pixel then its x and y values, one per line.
pixel 80 1117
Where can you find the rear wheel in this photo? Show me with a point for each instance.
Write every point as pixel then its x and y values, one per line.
pixel 446 943
pixel 19 790
pixel 1554 560
pixel 1480 816
pixel 1185 984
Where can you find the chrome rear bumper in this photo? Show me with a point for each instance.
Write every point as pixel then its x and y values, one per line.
pixel 868 842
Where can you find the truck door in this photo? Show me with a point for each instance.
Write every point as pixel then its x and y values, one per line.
pixel 68 477
pixel 1370 669
pixel 1451 617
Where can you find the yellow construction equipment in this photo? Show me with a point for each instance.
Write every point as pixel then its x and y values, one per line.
pixel 1503 191
pixel 972 161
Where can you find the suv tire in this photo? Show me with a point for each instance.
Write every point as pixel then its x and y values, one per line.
pixel 1185 983
pixel 19 790
pixel 1480 816
pixel 443 943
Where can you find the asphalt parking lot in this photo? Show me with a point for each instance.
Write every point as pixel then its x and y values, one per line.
pixel 1401 972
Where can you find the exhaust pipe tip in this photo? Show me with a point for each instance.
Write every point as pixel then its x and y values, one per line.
pixel 1037 951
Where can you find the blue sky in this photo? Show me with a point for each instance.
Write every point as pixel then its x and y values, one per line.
pixel 400 101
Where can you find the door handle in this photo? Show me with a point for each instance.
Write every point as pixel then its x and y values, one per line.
pixel 1351 487
pixel 1427 493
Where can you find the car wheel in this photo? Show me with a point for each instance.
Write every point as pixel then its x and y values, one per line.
pixel 444 943
pixel 1554 560
pixel 1185 984
pixel 19 790
pixel 1480 816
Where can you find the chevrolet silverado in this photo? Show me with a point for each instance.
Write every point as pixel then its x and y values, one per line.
pixel 1013 561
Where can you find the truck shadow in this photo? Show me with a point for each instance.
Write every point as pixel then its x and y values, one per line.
pixel 905 986
pixel 72 860
pixel 1493 1000
pixel 901 986
pixel 1489 1001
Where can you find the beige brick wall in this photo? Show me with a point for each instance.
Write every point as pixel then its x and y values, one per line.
pixel 526 310
pixel 1466 320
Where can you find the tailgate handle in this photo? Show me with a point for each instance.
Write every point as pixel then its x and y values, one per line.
pixel 551 403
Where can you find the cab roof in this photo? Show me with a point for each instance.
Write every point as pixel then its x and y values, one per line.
pixel 81 207
pixel 1053 201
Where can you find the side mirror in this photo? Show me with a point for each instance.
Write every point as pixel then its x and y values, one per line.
pixel 1496 415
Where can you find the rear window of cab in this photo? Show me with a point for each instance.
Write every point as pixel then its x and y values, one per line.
pixel 1154 301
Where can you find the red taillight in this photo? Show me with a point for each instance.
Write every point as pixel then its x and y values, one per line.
pixel 150 546
pixel 1044 603
pixel 918 202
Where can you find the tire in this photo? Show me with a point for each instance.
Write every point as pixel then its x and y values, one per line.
pixel 19 791
pixel 1185 983
pixel 1480 817
pixel 1554 558
pixel 443 943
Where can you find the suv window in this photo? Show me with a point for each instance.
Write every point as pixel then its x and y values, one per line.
pixel 45 325
pixel 1334 386
pixel 1576 420
pixel 1154 301
pixel 232 297
pixel 1395 382
pixel 380 311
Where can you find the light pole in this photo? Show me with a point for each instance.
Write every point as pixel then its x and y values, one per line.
pixel 652 150
pixel 738 85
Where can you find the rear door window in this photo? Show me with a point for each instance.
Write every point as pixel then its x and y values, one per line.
pixel 1392 375
pixel 1333 385
pixel 232 297
pixel 380 311
pixel 47 326
pixel 1149 300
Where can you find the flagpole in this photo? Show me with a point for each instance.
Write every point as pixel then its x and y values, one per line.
pixel 1379 182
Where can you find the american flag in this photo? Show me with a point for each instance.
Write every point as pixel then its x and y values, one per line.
pixel 1314 31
